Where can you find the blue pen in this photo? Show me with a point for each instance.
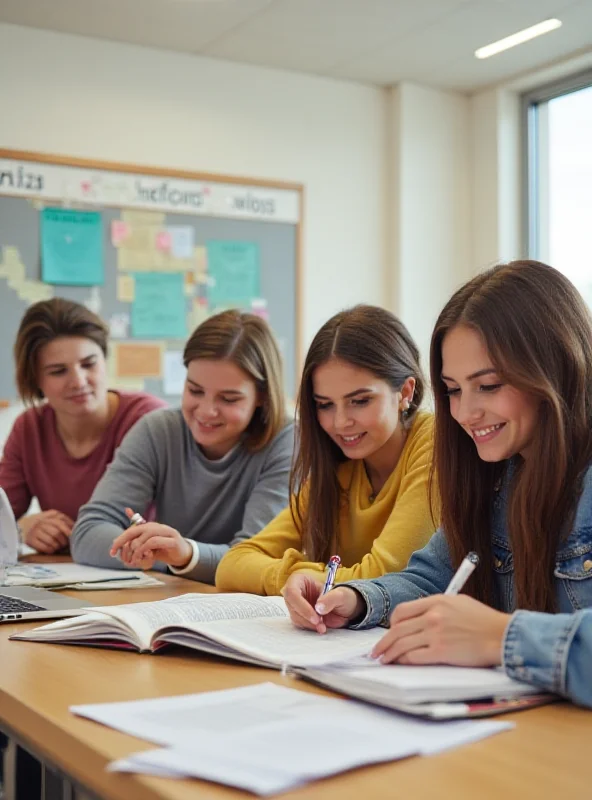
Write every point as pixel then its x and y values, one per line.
pixel 332 567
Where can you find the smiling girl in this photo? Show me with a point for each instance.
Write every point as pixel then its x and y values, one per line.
pixel 214 471
pixel 360 479
pixel 511 367
pixel 59 449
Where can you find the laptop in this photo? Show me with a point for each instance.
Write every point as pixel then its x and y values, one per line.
pixel 26 602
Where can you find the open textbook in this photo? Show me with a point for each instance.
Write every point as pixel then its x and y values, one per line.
pixel 245 627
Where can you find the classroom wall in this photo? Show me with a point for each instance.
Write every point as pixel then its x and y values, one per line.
pixel 95 99
pixel 430 204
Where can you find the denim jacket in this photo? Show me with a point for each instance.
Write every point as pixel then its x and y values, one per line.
pixel 552 651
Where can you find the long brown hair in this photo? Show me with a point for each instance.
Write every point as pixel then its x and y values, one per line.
pixel 367 337
pixel 41 324
pixel 247 341
pixel 538 334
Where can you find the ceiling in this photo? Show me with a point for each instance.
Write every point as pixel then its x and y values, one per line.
pixel 373 41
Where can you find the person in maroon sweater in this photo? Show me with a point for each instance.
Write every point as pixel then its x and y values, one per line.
pixel 59 448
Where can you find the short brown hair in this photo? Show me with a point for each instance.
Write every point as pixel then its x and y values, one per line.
pixel 247 341
pixel 41 324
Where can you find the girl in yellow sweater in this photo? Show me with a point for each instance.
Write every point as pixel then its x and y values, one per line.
pixel 359 482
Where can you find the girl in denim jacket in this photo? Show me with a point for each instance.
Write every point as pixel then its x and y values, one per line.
pixel 511 368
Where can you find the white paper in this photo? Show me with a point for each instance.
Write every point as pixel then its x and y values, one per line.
pixel 409 684
pixel 61 574
pixel 174 372
pixel 119 326
pixel 269 738
pixel 182 240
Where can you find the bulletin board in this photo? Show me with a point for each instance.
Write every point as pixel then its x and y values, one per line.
pixel 154 252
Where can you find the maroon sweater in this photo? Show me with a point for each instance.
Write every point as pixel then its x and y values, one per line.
pixel 35 462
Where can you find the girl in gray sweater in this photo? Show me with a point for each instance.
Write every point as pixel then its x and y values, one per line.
pixel 213 473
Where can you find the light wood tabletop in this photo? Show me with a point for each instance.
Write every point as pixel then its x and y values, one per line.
pixel 544 756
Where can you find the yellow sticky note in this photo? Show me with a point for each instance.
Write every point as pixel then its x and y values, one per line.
pixel 11 255
pixel 34 291
pixel 138 360
pixel 142 217
pixel 200 258
pixel 126 288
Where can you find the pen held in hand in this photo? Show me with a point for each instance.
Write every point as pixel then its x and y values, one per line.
pixel 463 573
pixel 332 567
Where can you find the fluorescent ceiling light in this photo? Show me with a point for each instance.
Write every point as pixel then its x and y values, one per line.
pixel 518 38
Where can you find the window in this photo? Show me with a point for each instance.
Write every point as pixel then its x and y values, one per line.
pixel 559 159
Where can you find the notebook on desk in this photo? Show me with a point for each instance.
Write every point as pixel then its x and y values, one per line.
pixel 24 602
pixel 436 691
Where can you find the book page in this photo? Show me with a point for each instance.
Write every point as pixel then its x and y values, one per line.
pixel 279 642
pixel 148 618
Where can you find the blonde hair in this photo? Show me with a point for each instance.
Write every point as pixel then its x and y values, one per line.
pixel 247 341
pixel 41 324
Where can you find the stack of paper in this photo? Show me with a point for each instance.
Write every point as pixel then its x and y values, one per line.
pixel 76 576
pixel 269 738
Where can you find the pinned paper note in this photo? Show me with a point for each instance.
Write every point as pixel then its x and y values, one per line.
pixel 119 326
pixel 94 300
pixel 198 314
pixel 159 307
pixel 34 291
pixel 126 288
pixel 163 241
pixel 136 360
pixel 233 273
pixel 259 308
pixel 174 372
pixel 72 247
pixel 137 217
pixel 120 231
pixel 181 239
pixel 190 285
pixel 200 256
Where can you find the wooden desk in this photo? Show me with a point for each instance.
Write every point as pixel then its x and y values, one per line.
pixel 545 756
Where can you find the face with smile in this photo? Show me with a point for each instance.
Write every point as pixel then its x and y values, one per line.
pixel 72 376
pixel 218 403
pixel 499 418
pixel 357 410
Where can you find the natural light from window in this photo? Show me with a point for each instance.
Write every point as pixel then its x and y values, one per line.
pixel 570 187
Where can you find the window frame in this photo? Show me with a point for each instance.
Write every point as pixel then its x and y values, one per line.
pixel 535 149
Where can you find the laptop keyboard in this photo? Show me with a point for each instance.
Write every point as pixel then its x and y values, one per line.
pixel 9 605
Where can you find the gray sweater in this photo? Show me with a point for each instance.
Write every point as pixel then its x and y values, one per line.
pixel 159 466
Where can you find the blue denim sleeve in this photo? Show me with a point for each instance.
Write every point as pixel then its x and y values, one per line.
pixel 429 572
pixel 553 651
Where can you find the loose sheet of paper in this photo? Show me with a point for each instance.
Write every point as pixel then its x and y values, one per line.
pixel 265 738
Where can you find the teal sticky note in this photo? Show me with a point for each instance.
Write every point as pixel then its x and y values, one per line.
pixel 72 247
pixel 233 273
pixel 159 307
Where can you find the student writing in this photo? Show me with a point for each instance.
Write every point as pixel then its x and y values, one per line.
pixel 59 449
pixel 511 367
pixel 214 471
pixel 360 479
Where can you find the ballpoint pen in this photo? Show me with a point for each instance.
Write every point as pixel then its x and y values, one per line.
pixel 332 567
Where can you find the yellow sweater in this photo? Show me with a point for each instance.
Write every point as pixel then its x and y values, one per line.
pixel 373 537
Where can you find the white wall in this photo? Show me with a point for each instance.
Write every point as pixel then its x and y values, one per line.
pixel 430 207
pixel 94 99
